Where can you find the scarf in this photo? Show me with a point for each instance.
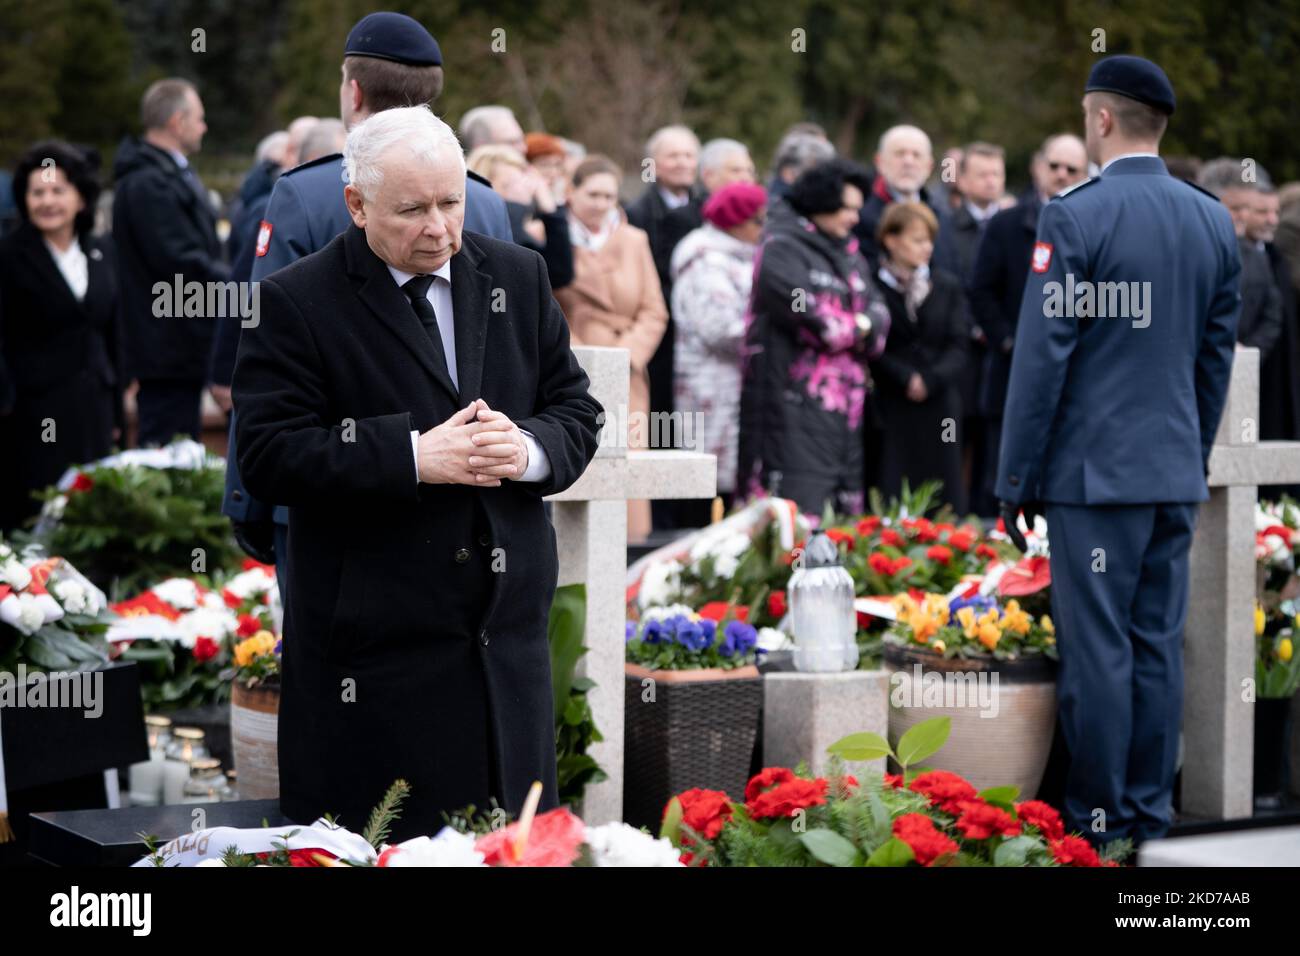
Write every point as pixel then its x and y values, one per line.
pixel 584 238
pixel 915 288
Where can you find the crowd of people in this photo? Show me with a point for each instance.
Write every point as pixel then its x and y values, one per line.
pixel 832 326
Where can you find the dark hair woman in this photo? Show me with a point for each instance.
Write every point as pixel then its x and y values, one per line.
pixel 814 319
pixel 60 352
pixel 917 398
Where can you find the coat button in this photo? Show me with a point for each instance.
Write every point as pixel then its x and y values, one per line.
pixel 484 540
pixel 1013 480
pixel 483 638
pixel 237 495
pixel 462 555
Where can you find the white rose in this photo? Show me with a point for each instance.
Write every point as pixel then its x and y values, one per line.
pixel 250 583
pixel 770 639
pixel 30 615
pixel 617 844
pixel 659 584
pixel 205 622
pixel 72 595
pixel 14 574
pixel 665 612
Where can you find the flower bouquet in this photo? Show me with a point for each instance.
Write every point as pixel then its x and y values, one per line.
pixel 919 816
pixel 51 617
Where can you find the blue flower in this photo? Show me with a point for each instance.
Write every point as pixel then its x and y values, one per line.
pixel 278 642
pixel 629 631
pixel 690 634
pixel 653 632
pixel 738 638
pixel 980 603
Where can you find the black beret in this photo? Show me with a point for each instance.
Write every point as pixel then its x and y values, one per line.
pixel 1134 77
pixel 393 36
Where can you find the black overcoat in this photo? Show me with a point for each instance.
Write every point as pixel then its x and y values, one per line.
pixel 388 672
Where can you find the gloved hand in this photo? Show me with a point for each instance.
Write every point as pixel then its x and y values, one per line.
pixel 257 538
pixel 1009 511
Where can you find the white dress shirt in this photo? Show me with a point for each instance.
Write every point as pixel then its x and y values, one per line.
pixel 439 296
pixel 72 264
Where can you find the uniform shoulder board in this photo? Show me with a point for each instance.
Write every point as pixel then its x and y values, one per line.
pixel 1077 186
pixel 483 179
pixel 332 157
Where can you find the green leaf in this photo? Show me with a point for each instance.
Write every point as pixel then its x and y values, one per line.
pixel 861 746
pixel 830 848
pixel 1004 797
pixel 892 853
pixel 672 825
pixel 923 740
pixel 1013 852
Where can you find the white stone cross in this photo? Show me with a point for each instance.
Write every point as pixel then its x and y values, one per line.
pixel 591 534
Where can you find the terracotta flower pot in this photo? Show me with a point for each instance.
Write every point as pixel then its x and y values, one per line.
pixel 690 728
pixel 254 721
pixel 1009 747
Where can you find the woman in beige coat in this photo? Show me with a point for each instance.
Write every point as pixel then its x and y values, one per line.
pixel 614 299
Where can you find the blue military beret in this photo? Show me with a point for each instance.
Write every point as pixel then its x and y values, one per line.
pixel 393 36
pixel 1134 77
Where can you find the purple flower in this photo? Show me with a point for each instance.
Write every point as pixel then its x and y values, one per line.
pixel 629 631
pixel 691 635
pixel 738 638
pixel 653 632
pixel 278 642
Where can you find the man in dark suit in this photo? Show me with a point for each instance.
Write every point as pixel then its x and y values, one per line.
pixel 997 282
pixel 164 226
pixel 1118 381
pixel 412 425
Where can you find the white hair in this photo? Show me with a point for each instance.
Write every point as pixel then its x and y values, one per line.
pixel 903 130
pixel 272 143
pixel 414 127
pixel 476 125
pixel 656 140
pixel 716 151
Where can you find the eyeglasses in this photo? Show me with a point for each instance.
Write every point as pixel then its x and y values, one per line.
pixel 1057 167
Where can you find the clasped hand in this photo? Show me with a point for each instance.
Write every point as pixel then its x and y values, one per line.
pixel 476 446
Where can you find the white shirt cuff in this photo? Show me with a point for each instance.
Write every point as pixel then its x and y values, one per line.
pixel 539 466
pixel 415 453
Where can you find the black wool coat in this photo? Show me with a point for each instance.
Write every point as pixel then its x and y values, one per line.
pixel 60 363
pixel 394 664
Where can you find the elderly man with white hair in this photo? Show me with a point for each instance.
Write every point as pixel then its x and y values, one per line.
pixel 410 393
pixel 904 161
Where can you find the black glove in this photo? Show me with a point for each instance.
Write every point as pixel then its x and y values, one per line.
pixel 257 538
pixel 1009 511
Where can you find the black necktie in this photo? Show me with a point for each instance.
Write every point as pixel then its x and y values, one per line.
pixel 417 290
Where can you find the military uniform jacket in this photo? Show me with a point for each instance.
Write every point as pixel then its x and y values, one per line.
pixel 1106 408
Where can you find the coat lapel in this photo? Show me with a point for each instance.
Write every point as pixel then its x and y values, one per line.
pixel 382 296
pixel 471 292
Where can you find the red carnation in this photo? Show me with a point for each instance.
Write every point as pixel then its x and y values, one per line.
pixel 205 648
pixel 894 780
pixel 980 820
pixel 926 535
pixel 300 857
pixel 868 525
pixel 787 799
pixel 898 565
pixel 984 551
pixel 248 625
pixel 704 811
pixel 232 600
pixel 962 540
pixel 83 482
pixel 946 790
pixel 928 844
pixel 881 564
pixel 766 778
pixel 937 552
pixel 891 537
pixel 1043 816
pixel 1074 851
pixel 776 604
pixel 840 536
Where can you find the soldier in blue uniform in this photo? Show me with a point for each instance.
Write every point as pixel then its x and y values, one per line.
pixel 1120 369
pixel 389 60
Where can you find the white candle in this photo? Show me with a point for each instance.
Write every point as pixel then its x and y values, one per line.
pixel 146 783
pixel 175 773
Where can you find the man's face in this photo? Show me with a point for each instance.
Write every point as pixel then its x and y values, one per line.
pixel 736 167
pixel 1064 163
pixel 1240 203
pixel 1262 223
pixel 677 161
pixel 906 161
pixel 190 126
pixel 507 132
pixel 983 179
pixel 414 220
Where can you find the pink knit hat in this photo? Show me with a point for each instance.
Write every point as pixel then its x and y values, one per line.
pixel 731 205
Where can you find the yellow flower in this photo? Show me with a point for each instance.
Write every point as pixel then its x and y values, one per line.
pixel 939 646
pixel 1259 620
pixel 989 635
pixel 966 617
pixel 1015 620
pixel 924 628
pixel 1284 649
pixel 1047 624
pixel 249 649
